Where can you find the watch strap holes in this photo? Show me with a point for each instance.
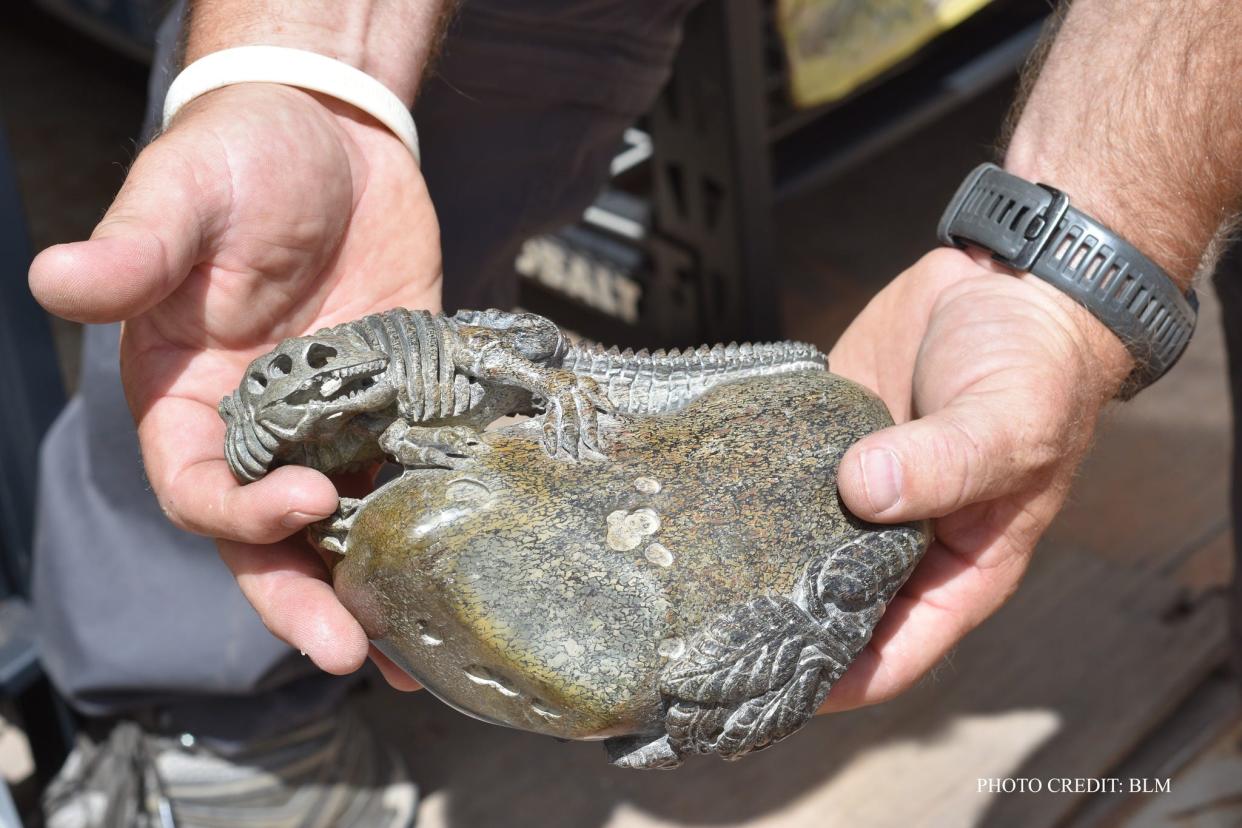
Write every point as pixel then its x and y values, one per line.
pixel 1125 288
pixel 1080 253
pixel 1139 301
pixel 1166 330
pixel 1063 244
pixel 1109 275
pixel 993 205
pixel 1004 214
pixel 1149 313
pixel 1096 264
pixel 1159 318
pixel 1017 217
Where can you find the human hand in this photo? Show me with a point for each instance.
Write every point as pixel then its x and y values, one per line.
pixel 264 212
pixel 996 383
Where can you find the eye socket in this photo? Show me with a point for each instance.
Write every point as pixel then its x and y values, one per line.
pixel 257 382
pixel 317 355
pixel 280 366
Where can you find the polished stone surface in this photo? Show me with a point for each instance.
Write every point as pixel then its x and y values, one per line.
pixel 550 595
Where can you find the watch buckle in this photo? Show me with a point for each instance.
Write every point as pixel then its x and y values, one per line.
pixel 1047 222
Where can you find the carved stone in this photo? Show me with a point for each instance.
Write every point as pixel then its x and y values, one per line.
pixel 658 558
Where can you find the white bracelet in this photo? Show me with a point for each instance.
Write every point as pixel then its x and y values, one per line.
pixel 293 67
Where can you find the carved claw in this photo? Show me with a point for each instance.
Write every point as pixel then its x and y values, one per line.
pixel 421 447
pixel 331 533
pixel 571 415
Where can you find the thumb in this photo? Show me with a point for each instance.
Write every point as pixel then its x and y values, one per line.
pixel 972 450
pixel 146 244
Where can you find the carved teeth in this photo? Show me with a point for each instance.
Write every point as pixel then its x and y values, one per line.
pixel 331 387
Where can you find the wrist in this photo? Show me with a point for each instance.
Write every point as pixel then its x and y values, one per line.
pixel 299 68
pixel 390 41
pixel 1100 351
pixel 1168 227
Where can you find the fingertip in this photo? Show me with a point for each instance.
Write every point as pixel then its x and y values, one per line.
pixel 333 639
pixel 208 501
pixel 104 279
pixel 42 277
pixel 56 282
pixel 285 583
pixel 849 483
pixel 884 669
pixel 850 691
pixel 299 494
pixel 870 480
pixel 397 678
pixel 339 659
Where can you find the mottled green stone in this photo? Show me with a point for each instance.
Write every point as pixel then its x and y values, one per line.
pixel 547 594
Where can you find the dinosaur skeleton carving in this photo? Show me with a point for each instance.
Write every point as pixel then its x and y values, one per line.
pixel 419 388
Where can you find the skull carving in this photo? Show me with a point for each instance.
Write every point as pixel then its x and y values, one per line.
pixel 307 380
pixel 306 388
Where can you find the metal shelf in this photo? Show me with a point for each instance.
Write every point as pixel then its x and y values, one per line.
pixel 725 145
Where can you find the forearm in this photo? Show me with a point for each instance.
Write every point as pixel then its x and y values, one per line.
pixel 1137 115
pixel 391 40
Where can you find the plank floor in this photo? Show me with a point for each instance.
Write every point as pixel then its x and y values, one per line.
pixel 1207 793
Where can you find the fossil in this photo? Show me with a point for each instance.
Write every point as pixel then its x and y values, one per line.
pixel 657 557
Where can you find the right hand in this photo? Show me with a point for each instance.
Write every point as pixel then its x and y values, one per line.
pixel 264 212
pixel 996 383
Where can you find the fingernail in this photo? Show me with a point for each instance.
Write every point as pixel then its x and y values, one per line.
pixel 881 471
pixel 296 520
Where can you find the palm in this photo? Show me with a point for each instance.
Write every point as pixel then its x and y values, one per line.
pixel 995 360
pixel 264 213
pixel 319 230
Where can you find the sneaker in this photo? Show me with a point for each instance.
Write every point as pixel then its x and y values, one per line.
pixel 331 772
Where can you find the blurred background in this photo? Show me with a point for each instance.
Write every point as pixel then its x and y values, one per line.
pixel 798 161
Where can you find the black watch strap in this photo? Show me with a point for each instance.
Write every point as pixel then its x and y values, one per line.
pixel 1033 228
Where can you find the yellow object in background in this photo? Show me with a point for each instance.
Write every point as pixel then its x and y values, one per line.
pixel 833 46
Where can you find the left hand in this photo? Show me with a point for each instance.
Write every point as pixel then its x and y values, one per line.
pixel 996 383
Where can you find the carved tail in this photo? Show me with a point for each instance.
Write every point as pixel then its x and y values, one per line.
pixel 642 383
